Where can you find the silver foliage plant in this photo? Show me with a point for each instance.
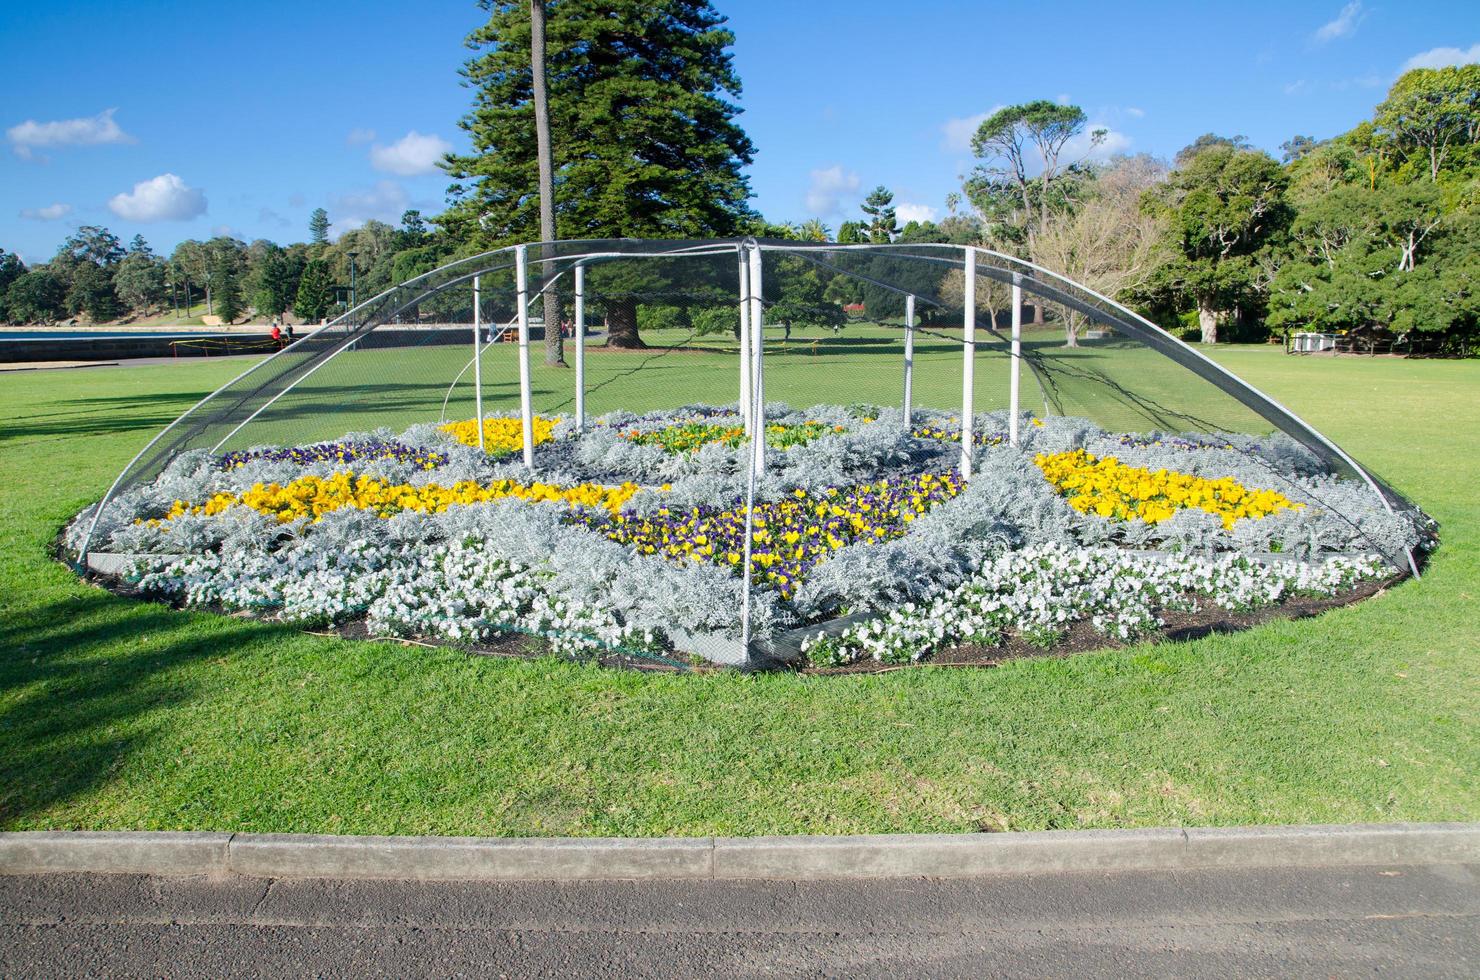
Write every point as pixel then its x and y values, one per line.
pixel 473 570
pixel 462 575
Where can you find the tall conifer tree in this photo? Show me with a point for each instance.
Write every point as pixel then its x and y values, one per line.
pixel 644 137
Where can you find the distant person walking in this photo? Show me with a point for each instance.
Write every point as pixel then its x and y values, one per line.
pixel 277 336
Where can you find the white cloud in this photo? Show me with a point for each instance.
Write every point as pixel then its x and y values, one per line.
pixel 1062 98
pixel 914 212
pixel 412 154
pixel 1296 88
pixel 51 212
pixel 1083 146
pixel 827 188
pixel 956 134
pixel 386 201
pixel 1343 25
pixel 1443 57
pixel 88 131
pixel 360 136
pixel 163 198
pixel 1135 112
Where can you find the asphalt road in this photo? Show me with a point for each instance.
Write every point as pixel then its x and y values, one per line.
pixel 1398 921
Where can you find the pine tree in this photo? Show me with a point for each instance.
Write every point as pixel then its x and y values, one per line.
pixel 645 142
pixel 879 206
pixel 539 76
pixel 315 292
pixel 228 293
pixel 318 227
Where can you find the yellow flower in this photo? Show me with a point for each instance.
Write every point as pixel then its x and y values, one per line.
pixel 1113 490
pixel 316 496
pixel 501 435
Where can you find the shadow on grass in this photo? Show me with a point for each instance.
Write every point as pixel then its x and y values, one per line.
pixel 100 416
pixel 80 678
pixel 150 413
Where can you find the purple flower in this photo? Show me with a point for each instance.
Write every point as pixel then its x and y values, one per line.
pixel 338 452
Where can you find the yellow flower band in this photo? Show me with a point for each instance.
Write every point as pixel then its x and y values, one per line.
pixel 314 496
pixel 1107 487
pixel 500 435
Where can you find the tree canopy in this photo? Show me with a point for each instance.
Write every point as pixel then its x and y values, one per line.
pixel 645 142
pixel 1223 210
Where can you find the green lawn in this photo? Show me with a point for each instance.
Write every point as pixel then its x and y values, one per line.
pixel 121 715
pixel 394 385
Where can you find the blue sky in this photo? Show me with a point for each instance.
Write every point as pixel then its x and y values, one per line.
pixel 185 119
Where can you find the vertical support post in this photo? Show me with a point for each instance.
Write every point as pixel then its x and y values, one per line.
pixel 526 414
pixel 755 419
pixel 745 358
pixel 1017 359
pixel 745 353
pixel 758 343
pixel 968 366
pixel 909 358
pixel 580 347
pixel 478 358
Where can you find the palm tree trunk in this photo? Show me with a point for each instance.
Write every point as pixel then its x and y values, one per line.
pixel 554 347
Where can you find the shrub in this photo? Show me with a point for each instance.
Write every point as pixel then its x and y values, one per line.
pixel 715 320
pixel 654 317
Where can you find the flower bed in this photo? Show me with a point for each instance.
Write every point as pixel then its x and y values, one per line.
pixel 1109 488
pixel 312 496
pixel 952 433
pixel 632 532
pixel 340 454
pixel 790 535
pixel 1038 593
pixel 502 436
pixel 686 437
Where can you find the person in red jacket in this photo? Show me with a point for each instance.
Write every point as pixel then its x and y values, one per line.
pixel 277 336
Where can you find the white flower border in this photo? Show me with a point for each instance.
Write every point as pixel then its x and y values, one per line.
pixel 1040 592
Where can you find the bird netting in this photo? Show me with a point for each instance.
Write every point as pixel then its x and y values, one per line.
pixel 736 433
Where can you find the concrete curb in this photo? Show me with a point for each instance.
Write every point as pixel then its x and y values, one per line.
pixel 141 852
pixel 798 858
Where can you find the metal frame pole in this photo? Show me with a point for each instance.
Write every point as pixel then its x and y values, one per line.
pixel 909 357
pixel 758 342
pixel 580 348
pixel 526 413
pixel 753 463
pixel 1017 359
pixel 478 357
pixel 745 352
pixel 968 367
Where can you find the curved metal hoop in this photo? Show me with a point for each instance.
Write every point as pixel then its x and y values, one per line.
pixel 280 372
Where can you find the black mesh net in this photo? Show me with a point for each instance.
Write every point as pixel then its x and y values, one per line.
pixel 878 333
